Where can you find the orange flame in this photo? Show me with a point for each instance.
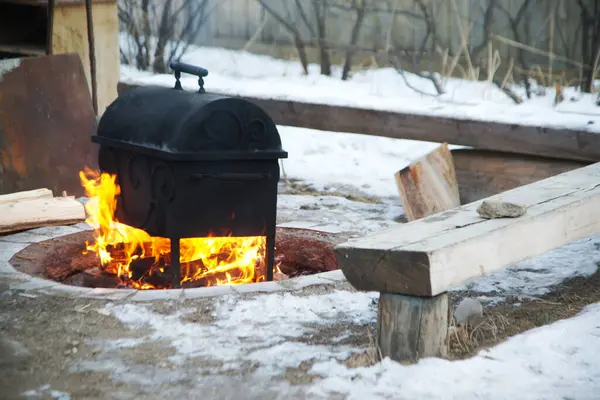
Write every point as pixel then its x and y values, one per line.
pixel 214 260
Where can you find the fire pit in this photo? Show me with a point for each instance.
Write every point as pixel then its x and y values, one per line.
pixel 187 188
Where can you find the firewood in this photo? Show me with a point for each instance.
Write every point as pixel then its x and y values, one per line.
pixel 428 185
pixel 27 195
pixel 37 208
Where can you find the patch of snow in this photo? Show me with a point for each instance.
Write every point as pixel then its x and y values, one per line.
pixel 264 330
pixel 557 361
pixel 351 217
pixel 234 72
pixel 534 276
pixel 334 161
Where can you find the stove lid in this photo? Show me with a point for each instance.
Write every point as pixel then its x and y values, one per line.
pixel 178 125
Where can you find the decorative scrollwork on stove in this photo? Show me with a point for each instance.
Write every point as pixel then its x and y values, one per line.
pixel 256 130
pixel 163 184
pixel 222 131
pixel 135 189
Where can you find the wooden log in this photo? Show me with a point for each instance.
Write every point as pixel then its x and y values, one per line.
pixel 428 185
pixel 26 195
pixel 412 327
pixel 34 213
pixel 484 173
pixel 559 143
pixel 409 327
pixel 437 253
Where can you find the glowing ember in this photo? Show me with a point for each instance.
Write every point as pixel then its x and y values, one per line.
pixel 136 257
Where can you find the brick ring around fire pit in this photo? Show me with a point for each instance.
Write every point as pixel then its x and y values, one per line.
pixel 22 254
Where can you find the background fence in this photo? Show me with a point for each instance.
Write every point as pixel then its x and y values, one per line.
pixel 552 26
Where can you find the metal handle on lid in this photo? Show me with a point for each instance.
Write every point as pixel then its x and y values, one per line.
pixel 179 67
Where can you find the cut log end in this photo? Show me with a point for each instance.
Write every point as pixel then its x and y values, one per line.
pixel 409 327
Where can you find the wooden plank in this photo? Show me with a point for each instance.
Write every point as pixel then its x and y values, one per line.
pixel 510 138
pixel 484 173
pixel 437 253
pixel 428 185
pixel 27 195
pixel 70 36
pixel 35 213
pixel 412 327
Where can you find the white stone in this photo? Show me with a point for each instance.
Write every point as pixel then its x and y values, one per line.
pixel 258 287
pixel 302 282
pixel 335 275
pixel 151 295
pixel 298 224
pixel 468 311
pixel 55 231
pixel 500 209
pixel 9 249
pixel 107 294
pixel 33 284
pixel 211 291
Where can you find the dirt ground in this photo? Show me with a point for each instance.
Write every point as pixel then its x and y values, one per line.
pixel 519 315
pixel 43 339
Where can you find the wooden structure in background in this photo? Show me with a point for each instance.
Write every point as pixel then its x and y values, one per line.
pixel 484 173
pixel 46 124
pixel 554 143
pixel 27 30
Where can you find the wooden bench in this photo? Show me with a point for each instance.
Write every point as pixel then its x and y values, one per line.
pixel 414 265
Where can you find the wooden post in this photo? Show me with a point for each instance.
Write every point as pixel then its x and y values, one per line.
pixel 411 327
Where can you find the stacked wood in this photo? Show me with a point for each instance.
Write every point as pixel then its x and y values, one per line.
pixel 36 208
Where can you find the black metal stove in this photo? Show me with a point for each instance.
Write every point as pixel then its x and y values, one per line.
pixel 192 164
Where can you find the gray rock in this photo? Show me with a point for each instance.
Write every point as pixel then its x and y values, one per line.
pixel 500 209
pixel 468 311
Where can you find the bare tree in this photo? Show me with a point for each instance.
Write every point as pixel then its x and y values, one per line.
pixel 159 32
pixel 488 18
pixel 515 23
pixel 359 7
pixel 590 40
pixel 398 57
pixel 320 8
pixel 299 42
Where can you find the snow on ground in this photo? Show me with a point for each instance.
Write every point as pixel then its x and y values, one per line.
pixel 270 333
pixel 236 72
pixel 351 163
pixel 334 161
pixel 557 361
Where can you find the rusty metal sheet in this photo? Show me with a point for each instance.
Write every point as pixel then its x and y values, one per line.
pixel 46 124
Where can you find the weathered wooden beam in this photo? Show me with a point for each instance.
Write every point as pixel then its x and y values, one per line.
pixel 485 173
pixel 437 253
pixel 511 138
